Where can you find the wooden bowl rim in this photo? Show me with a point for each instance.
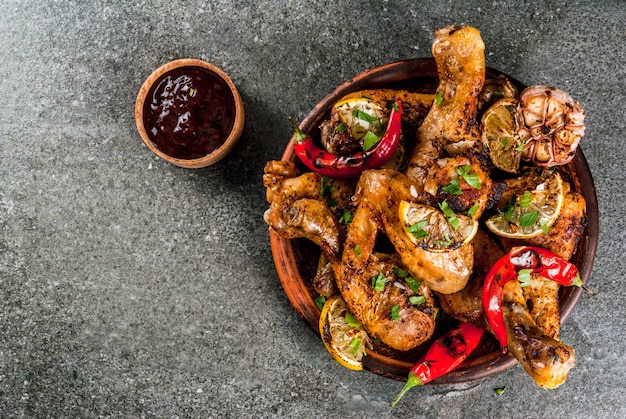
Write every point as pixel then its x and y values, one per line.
pixel 297 292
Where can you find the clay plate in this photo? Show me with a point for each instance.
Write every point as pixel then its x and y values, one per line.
pixel 296 260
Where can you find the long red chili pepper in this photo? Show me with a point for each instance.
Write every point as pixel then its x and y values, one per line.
pixel 333 165
pixel 539 261
pixel 445 354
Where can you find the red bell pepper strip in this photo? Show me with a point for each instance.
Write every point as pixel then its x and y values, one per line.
pixel 445 354
pixel 336 166
pixel 539 261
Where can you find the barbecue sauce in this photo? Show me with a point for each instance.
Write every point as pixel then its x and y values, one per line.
pixel 189 112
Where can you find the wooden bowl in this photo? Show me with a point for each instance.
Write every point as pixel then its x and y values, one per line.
pixel 229 139
pixel 296 260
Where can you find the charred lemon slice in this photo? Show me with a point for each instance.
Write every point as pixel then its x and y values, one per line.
pixel 343 337
pixel 530 213
pixel 500 126
pixel 435 230
pixel 362 118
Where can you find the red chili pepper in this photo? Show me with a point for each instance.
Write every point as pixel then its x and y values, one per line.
pixel 447 353
pixel 333 165
pixel 539 261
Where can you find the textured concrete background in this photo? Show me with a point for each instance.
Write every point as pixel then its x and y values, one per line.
pixel 133 288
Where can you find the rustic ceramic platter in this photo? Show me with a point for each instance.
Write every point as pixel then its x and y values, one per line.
pixel 296 260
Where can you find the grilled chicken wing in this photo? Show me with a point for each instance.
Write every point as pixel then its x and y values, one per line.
pixel 544 358
pixel 452 121
pixel 373 309
pixel 297 209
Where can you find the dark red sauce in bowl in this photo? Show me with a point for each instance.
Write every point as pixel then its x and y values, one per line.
pixel 189 112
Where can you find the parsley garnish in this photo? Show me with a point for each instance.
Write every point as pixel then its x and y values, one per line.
pixel 413 283
pixel 357 250
pixel 499 390
pixel 450 215
pixel 370 140
pixel 520 147
pixel 508 210
pixel 523 276
pixel 525 200
pixel 355 344
pixel 192 92
pixel 471 178
pixel 445 242
pixel 417 299
pixel 319 301
pixel 341 127
pixel 395 312
pixel 417 230
pixel 453 188
pixel 399 272
pixel 472 210
pixel 544 226
pixel 364 116
pixel 438 99
pixel 378 282
pixel 346 217
pixel 504 141
pixel 351 321
pixel 327 187
pixel 528 219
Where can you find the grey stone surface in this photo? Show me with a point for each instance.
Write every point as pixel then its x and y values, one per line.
pixel 133 288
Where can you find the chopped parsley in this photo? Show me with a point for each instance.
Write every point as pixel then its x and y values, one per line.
pixel 438 99
pixel 364 116
pixel 417 229
pixel 351 321
pixel 346 217
pixel 499 390
pixel 504 141
pixel 395 312
pixel 447 241
pixel 417 299
pixel 520 147
pixel 524 201
pixel 192 92
pixel 355 344
pixel 471 178
pixel 523 276
pixel 341 127
pixel 413 283
pixel 357 250
pixel 544 226
pixel 378 282
pixel 450 215
pixel 528 219
pixel 453 188
pixel 472 210
pixel 399 272
pixel 320 301
pixel 370 140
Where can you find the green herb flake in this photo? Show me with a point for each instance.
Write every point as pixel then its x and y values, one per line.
pixel 346 217
pixel 499 390
pixel 498 94
pixel 450 215
pixel 355 344
pixel 341 127
pixel 509 209
pixel 370 140
pixel 544 226
pixel 417 229
pixel 351 321
pixel 447 241
pixel 378 282
pixel 395 312
pixel 327 187
pixel 413 284
pixel 472 210
pixel 520 147
pixel 192 92
pixel 523 276
pixel 453 188
pixel 364 116
pixel 504 141
pixel 399 272
pixel 438 99
pixel 509 108
pixel 528 219
pixel 417 299
pixel 357 250
pixel 395 106
pixel 471 178
pixel 320 301
pixel 524 201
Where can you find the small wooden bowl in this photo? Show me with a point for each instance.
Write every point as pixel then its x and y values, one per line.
pixel 228 142
pixel 296 260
